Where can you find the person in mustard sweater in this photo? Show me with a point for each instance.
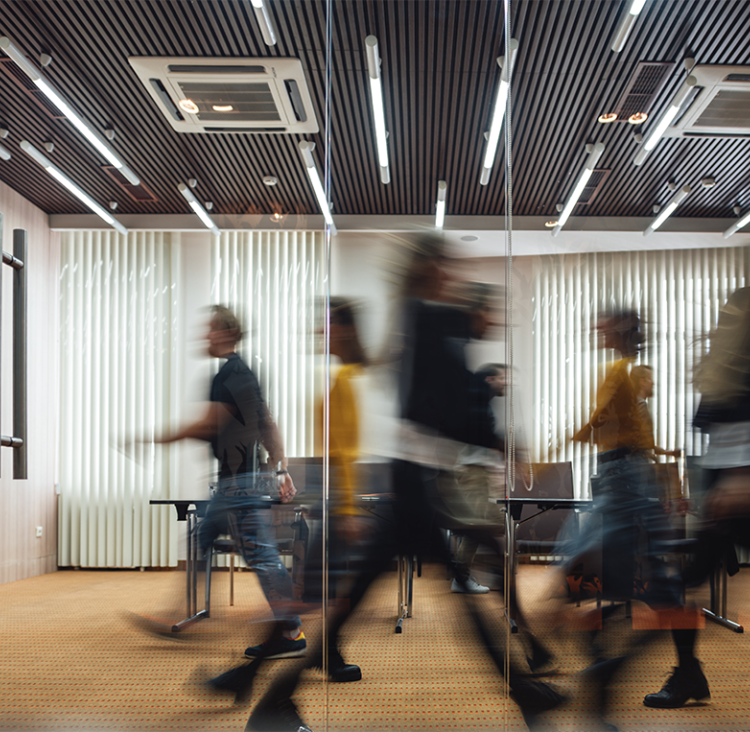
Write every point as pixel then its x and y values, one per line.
pixel 625 504
pixel 343 434
pixel 348 524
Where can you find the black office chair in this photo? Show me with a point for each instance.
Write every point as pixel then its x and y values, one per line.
pixel 220 546
pixel 537 532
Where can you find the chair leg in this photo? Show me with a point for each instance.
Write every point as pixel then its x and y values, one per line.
pixel 209 562
pixel 231 579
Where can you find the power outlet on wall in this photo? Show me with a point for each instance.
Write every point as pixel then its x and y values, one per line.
pixel 38 531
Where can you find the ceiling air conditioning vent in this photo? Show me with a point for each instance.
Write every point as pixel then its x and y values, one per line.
pixel 219 95
pixel 646 82
pixel 719 108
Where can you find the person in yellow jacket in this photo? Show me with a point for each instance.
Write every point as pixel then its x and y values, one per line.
pixel 625 504
pixel 348 521
pixel 347 524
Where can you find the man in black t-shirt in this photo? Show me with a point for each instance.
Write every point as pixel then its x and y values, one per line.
pixel 236 422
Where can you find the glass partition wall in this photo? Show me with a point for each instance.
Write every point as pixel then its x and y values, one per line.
pixel 418 572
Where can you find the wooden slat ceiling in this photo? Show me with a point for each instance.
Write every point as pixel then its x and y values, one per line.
pixel 439 75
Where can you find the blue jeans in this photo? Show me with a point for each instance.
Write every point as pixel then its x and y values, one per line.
pixel 626 524
pixel 245 517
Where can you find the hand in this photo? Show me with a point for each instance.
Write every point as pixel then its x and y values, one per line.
pixel 673 453
pixel 287 491
pixel 584 434
pixel 683 506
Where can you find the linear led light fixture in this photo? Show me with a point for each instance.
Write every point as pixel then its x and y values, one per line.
pixel 378 110
pixel 91 136
pixel 501 101
pixel 669 209
pixel 198 209
pixel 666 119
pixel 60 177
pixel 306 149
pixel 593 159
pixel 440 205
pixel 737 225
pixel 264 21
pixel 626 23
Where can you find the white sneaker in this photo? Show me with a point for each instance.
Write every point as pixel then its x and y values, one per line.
pixel 472 587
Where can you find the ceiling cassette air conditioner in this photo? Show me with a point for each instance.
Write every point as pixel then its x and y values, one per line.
pixel 220 95
pixel 718 106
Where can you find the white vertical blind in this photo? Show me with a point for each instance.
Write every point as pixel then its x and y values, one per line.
pixel 119 334
pixel 677 293
pixel 272 281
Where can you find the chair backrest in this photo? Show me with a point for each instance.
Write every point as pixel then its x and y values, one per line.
pixel 307 474
pixel 548 480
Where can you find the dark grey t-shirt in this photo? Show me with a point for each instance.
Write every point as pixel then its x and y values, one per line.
pixel 237 387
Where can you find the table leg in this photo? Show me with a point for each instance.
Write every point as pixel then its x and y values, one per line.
pixel 510 553
pixel 409 585
pixel 191 572
pixel 718 610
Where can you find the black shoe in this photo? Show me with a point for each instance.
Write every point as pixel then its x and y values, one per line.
pixel 534 697
pixel 345 672
pixel 339 671
pixel 539 659
pixel 279 647
pixel 687 682
pixel 276 716
pixel 238 681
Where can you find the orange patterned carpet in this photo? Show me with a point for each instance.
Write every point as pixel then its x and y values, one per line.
pixel 72 659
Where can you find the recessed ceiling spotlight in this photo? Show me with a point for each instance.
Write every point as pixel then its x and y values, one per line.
pixel 551 224
pixel 469 238
pixel 708 182
pixel 276 216
pixel 222 107
pixel 188 105
pixel 605 119
pixel 270 180
pixel 638 118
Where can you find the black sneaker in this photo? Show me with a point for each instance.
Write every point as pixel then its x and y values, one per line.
pixel 687 682
pixel 534 698
pixel 279 647
pixel 237 681
pixel 276 716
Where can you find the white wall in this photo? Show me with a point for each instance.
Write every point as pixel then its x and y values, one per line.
pixel 195 372
pixel 26 504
